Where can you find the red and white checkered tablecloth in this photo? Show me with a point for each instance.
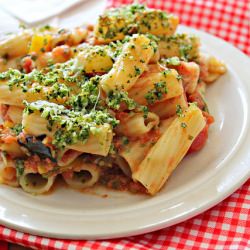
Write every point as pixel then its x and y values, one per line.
pixel 227 19
pixel 225 226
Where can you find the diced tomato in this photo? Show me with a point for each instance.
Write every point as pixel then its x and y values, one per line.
pixel 200 141
pixel 27 64
pixel 209 118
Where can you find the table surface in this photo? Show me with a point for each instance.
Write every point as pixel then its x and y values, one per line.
pixel 93 5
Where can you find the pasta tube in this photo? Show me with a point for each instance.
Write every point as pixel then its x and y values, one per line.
pixel 15 45
pixel 135 124
pixel 66 157
pixel 167 108
pixel 101 58
pixel 135 151
pixel 35 183
pixel 69 129
pixel 211 68
pixel 131 63
pixel 115 24
pixel 156 87
pixel 12 148
pixel 13 63
pixel 8 173
pixel 169 150
pixel 8 142
pixel 190 73
pixel 9 97
pixel 94 59
pixel 15 114
pixel 15 95
pixel 82 175
pixel 180 45
pixel 40 40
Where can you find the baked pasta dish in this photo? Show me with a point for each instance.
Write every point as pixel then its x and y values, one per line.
pixel 118 104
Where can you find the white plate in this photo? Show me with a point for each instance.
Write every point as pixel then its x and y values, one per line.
pixel 201 181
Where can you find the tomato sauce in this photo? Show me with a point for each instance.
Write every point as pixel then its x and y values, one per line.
pixel 114 178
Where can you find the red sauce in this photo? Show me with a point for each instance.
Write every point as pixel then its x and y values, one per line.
pixel 121 116
pixel 3 110
pixel 152 136
pixel 114 178
pixel 69 154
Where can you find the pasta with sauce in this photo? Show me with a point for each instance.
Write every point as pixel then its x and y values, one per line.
pixel 118 104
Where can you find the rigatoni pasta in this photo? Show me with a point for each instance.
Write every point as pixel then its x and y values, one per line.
pixel 119 105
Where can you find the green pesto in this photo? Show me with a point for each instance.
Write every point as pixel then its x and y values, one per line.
pixel 179 110
pixel 88 98
pixel 157 93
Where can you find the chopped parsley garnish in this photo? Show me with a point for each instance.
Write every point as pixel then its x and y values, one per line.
pixel 88 98
pixel 187 45
pixel 157 93
pixel 58 90
pixel 115 99
pixel 125 140
pixel 17 129
pixel 19 167
pixel 137 71
pixel 175 61
pixel 179 111
pixel 130 19
pixel 183 125
pixel 55 74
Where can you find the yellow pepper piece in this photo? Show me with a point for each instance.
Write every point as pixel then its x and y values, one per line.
pixel 40 43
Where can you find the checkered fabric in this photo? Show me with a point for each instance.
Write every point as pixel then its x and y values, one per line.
pixel 227 19
pixel 225 226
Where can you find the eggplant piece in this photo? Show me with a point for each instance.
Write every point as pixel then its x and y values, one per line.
pixel 36 147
